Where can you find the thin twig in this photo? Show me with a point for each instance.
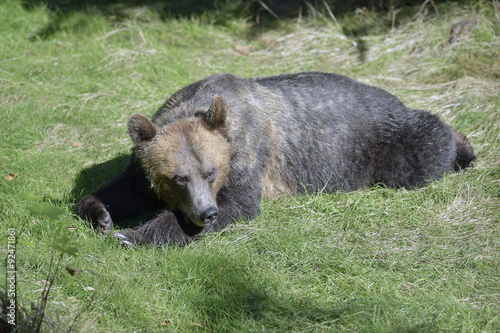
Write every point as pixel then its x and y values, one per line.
pixel 300 15
pixel 420 10
pixel 45 293
pixel 268 9
pixel 311 8
pixel 43 303
pixel 434 6
pixel 329 10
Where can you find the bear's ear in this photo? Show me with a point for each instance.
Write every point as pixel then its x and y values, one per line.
pixel 215 117
pixel 141 129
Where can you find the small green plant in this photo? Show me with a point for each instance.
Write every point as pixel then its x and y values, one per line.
pixel 61 248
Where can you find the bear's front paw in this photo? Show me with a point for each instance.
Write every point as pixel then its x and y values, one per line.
pixel 91 208
pixel 104 222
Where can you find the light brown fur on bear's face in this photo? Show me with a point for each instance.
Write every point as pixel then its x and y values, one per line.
pixel 187 163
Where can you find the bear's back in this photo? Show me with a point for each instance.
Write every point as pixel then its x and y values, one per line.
pixel 322 96
pixel 309 131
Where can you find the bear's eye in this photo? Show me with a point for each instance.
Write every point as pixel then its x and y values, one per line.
pixel 181 180
pixel 210 175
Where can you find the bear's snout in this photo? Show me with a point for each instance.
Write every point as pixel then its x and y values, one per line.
pixel 209 215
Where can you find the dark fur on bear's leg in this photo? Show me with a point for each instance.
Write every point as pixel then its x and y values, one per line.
pixel 166 228
pixel 126 196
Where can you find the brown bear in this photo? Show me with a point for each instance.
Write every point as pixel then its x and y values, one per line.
pixel 218 146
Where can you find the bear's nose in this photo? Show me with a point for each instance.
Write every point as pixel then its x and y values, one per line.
pixel 209 215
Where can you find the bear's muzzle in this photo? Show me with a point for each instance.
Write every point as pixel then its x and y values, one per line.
pixel 209 215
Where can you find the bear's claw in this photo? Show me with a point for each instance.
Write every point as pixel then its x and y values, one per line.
pixel 123 239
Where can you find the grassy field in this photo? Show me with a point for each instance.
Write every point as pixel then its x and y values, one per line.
pixel 377 260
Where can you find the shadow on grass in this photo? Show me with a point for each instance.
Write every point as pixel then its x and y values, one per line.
pixel 266 13
pixel 94 176
pixel 253 308
pixel 229 294
pixel 232 297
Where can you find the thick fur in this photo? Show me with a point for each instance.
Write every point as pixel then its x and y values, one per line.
pixel 266 137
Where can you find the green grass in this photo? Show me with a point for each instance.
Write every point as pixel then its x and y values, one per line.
pixel 377 260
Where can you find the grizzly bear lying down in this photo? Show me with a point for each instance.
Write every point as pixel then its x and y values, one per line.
pixel 218 146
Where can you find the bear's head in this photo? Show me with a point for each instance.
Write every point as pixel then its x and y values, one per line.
pixel 187 161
